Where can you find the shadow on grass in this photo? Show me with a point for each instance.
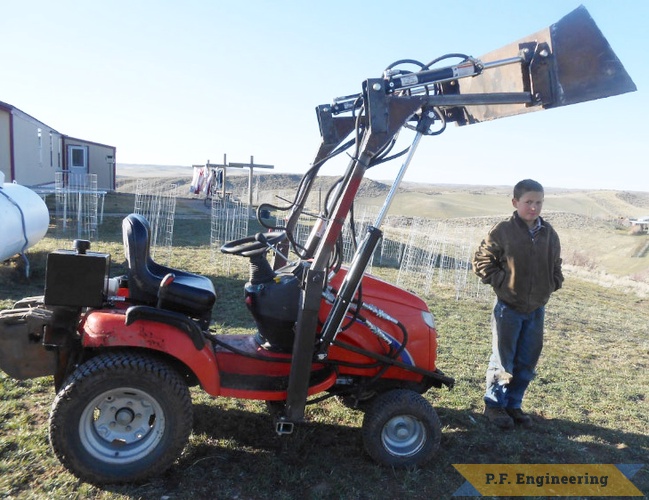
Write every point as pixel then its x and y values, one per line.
pixel 235 453
pixel 470 438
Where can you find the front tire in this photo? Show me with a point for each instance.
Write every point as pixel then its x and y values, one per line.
pixel 401 429
pixel 120 417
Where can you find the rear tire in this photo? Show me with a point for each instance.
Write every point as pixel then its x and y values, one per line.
pixel 120 417
pixel 401 429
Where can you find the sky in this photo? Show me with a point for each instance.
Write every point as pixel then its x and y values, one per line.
pixel 180 83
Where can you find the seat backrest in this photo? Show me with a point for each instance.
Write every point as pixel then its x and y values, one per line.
pixel 188 293
pixel 143 285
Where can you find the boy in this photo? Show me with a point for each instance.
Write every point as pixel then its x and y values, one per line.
pixel 521 259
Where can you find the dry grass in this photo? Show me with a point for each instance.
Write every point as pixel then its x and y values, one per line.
pixel 590 402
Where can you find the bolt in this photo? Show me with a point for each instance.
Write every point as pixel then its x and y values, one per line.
pixel 376 87
pixel 544 53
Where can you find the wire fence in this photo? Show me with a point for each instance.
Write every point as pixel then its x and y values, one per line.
pixel 425 253
pixel 438 253
pixel 156 201
pixel 429 253
pixel 77 200
pixel 228 222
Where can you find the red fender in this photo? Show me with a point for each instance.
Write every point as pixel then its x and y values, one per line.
pixel 107 328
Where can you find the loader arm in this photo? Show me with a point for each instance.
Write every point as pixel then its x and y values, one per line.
pixel 567 63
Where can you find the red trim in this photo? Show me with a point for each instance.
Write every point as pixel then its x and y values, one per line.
pixel 12 108
pixel 12 163
pixel 114 178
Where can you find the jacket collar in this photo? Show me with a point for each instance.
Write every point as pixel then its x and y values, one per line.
pixel 540 222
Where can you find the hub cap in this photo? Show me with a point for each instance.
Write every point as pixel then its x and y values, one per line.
pixel 121 425
pixel 403 435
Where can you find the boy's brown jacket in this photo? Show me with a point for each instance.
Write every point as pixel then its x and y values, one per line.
pixel 522 272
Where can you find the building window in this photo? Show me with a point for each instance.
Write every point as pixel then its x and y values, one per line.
pixel 51 150
pixel 78 157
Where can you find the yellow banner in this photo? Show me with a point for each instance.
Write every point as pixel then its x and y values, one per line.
pixel 603 480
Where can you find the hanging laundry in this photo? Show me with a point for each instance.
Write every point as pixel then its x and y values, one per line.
pixel 198 179
pixel 211 177
pixel 219 178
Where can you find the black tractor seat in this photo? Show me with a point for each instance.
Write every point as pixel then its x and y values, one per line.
pixel 188 293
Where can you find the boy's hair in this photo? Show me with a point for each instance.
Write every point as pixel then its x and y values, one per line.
pixel 525 186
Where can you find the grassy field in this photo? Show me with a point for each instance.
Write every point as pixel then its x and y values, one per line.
pixel 589 401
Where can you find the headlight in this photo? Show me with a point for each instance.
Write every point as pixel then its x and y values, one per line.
pixel 428 318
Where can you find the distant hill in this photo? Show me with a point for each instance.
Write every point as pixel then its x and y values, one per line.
pixel 594 225
pixel 413 199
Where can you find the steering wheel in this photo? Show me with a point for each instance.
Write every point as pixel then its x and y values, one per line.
pixel 253 245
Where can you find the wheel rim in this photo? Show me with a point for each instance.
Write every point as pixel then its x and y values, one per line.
pixel 403 435
pixel 121 425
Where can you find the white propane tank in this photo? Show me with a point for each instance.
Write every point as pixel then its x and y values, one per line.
pixel 24 218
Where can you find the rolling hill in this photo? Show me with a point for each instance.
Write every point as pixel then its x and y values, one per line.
pixel 594 225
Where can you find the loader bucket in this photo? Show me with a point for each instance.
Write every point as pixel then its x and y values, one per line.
pixel 567 63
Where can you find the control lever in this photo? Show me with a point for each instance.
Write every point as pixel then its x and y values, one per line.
pixel 164 284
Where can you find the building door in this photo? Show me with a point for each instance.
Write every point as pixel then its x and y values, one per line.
pixel 77 160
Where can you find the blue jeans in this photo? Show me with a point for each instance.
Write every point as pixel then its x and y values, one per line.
pixel 517 341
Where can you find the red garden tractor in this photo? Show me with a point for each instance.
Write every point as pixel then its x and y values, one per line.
pixel 123 351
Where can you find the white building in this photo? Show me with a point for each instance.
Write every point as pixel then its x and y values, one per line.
pixel 31 152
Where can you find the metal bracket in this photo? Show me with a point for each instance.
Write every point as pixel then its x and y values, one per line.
pixel 284 427
pixel 543 78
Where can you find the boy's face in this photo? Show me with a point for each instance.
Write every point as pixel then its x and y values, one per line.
pixel 529 206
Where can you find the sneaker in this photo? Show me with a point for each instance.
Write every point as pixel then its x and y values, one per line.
pixel 499 417
pixel 520 417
